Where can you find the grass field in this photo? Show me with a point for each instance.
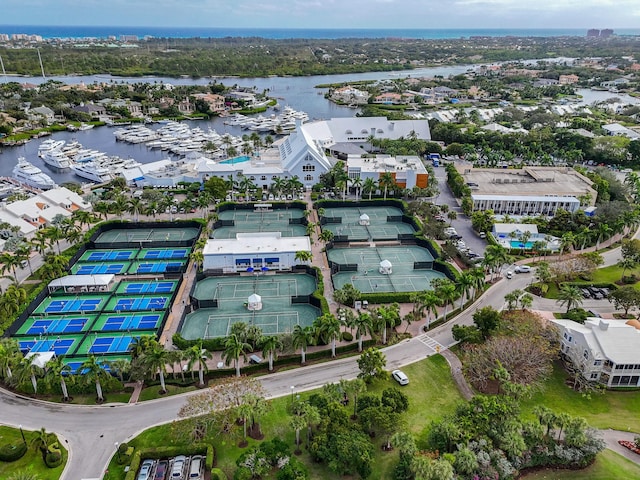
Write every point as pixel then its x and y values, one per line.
pixel 608 465
pixel 32 461
pixel 432 394
pixel 616 410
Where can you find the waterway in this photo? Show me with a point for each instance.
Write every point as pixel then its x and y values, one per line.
pixel 298 92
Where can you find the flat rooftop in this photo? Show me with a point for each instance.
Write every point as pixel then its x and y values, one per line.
pixel 528 181
pixel 248 243
pixel 386 163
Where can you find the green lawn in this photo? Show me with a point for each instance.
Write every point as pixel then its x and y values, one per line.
pixel 151 393
pixel 608 465
pixel 611 274
pixel 616 410
pixel 32 460
pixel 432 394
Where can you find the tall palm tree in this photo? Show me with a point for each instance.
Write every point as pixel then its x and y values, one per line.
pixel 27 369
pixel 328 328
pixel 156 360
pixel 12 300
pixel 303 256
pixel 356 183
pixel 298 423
pixel 196 355
pixel 271 345
pixel 364 326
pixel 234 348
pixel 9 357
pixel 388 316
pixel 302 338
pixel 478 276
pixel 93 370
pixel 369 186
pixel 604 231
pixel 55 372
pixel 464 285
pixel 9 262
pixel 134 207
pixel 141 345
pixel 120 367
pixel 386 181
pixel 569 295
pixel 446 291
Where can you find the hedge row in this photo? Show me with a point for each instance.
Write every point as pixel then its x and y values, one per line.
pixel 217 474
pixel 166 452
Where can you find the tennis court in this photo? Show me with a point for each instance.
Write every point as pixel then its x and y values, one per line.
pixel 162 253
pixel 145 267
pixel 368 279
pixel 106 255
pixel 278 313
pixel 137 321
pixel 102 343
pixel 61 346
pixel 146 235
pixel 232 289
pixel 120 304
pixel 385 223
pixel 55 325
pixel 249 221
pixel 71 304
pixel 163 286
pixel 99 268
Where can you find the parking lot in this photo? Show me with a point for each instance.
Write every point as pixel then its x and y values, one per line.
pixel 180 467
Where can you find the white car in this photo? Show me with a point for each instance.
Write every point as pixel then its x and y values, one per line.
pixel 522 269
pixel 145 470
pixel 400 377
pixel 509 274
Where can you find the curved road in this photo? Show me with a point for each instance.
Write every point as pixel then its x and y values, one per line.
pixel 90 433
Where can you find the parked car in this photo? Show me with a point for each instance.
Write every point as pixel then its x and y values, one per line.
pixel 255 359
pixel 177 471
pixel 145 470
pixel 522 269
pixel 585 293
pixel 195 469
pixel 400 377
pixel 161 470
pixel 509 274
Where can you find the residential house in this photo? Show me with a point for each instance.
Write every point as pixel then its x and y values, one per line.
pixel 568 79
pixel 42 112
pixel 604 351
pixel 350 95
pixel 620 130
pixel 91 109
pixel 215 101
pixel 391 98
pixel 186 107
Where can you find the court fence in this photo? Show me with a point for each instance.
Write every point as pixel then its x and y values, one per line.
pixel 120 225
pixel 292 205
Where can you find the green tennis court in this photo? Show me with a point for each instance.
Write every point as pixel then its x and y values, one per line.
pixel 368 279
pixel 249 221
pixel 226 289
pixel 142 235
pixel 101 343
pixel 61 345
pixel 67 304
pixel 278 313
pixel 144 267
pixel 367 223
pixel 97 268
pixel 106 255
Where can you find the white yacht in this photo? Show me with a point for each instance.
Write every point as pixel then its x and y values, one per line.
pixel 49 145
pixel 31 175
pixel 56 159
pixel 92 171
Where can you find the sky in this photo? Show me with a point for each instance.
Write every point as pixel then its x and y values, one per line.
pixel 326 13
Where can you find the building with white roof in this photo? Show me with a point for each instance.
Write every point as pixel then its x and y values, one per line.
pixel 65 198
pixel 36 211
pixel 528 191
pixel 253 252
pixel 605 351
pixel 408 171
pixel 620 130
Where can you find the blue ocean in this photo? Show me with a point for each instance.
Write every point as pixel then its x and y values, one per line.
pixel 280 33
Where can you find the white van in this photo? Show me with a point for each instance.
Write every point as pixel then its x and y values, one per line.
pixel 195 468
pixel 178 467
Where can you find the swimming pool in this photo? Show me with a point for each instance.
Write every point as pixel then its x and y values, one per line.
pixel 234 160
pixel 519 244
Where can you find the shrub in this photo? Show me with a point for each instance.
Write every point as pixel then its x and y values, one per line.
pixel 12 452
pixel 217 474
pixel 53 459
pixel 578 315
pixel 347 336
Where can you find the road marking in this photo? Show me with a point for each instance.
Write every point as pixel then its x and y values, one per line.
pixel 431 343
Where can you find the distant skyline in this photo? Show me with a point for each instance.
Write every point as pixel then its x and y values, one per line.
pixel 349 14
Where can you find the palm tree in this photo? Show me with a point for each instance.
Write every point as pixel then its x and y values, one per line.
pixel 569 295
pixel 9 261
pixel 156 360
pixel 369 186
pixel 302 337
pixel 388 316
pixel 298 423
pixel 464 285
pixel 328 328
pixel 603 230
pixel 566 242
pixel 446 291
pixel 356 183
pixel 198 355
pixel 326 235
pixel 93 370
pixel 478 276
pixel 9 355
pixel 271 345
pixel 364 326
pixel 41 440
pixel 430 302
pixel 27 369
pixel 303 256
pixel 134 207
pixel 12 299
pixel 120 367
pixel 234 348
pixel 386 181
pixel 55 372
pixel 141 345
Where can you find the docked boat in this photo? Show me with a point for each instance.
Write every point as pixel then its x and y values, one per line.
pixel 92 171
pixel 32 176
pixel 85 126
pixel 56 159
pixel 49 145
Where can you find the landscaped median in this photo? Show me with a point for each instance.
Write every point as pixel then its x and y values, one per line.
pixel 38 453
